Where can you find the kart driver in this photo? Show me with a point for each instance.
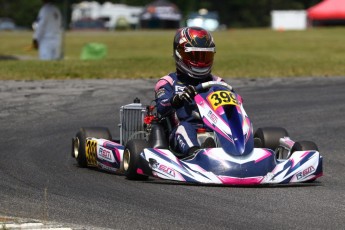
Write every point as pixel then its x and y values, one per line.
pixel 194 50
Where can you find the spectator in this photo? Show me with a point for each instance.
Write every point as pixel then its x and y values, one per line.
pixel 47 37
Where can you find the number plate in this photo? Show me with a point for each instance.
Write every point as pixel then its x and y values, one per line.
pixel 91 152
pixel 220 98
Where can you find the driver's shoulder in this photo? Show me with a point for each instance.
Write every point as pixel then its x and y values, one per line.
pixel 169 79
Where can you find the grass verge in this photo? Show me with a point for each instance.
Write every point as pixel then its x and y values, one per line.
pixel 147 54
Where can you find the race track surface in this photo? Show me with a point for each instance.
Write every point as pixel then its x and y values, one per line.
pixel 40 180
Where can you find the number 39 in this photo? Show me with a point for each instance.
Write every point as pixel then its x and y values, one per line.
pixel 223 97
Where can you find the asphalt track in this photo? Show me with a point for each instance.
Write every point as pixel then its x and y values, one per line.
pixel 40 180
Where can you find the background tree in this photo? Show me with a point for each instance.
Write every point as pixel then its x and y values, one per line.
pixel 233 13
pixel 23 12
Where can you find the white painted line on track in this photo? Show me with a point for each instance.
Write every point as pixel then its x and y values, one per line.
pixel 12 223
pixel 31 226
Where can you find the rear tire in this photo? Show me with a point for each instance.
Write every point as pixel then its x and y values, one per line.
pixel 131 159
pixel 268 137
pixel 79 142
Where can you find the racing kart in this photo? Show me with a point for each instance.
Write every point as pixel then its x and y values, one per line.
pixel 240 156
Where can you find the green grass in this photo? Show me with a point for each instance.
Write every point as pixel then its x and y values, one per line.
pixel 147 54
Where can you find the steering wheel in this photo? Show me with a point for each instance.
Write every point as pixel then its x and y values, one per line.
pixel 209 84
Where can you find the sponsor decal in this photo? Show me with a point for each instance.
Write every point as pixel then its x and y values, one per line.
pixel 166 170
pixel 305 172
pixel 212 116
pixel 180 141
pixel 160 93
pixel 179 88
pixel 163 168
pixel 106 167
pixel 105 154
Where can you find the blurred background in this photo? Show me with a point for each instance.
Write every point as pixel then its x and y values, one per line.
pixel 138 14
pixel 254 37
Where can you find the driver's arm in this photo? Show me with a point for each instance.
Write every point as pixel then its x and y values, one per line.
pixel 164 93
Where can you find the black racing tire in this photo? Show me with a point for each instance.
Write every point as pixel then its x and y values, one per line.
pixel 131 158
pixel 79 142
pixel 268 137
pixel 304 146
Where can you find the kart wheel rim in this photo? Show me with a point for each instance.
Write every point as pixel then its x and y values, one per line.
pixel 126 159
pixel 76 147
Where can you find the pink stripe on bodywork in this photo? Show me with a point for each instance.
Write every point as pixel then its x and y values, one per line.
pixel 217 130
pixel 200 169
pixel 117 152
pixel 161 152
pixel 178 176
pixel 220 110
pixel 304 154
pixel 169 156
pixel 240 181
pixel 293 163
pixel 267 154
pixel 111 142
pixel 200 101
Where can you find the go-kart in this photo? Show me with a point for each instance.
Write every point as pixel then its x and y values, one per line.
pixel 240 156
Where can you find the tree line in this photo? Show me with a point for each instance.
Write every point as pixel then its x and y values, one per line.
pixel 232 13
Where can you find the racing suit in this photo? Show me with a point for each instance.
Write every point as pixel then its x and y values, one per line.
pixel 186 118
pixel 48 32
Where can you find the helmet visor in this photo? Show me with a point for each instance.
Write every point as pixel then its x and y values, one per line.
pixel 198 57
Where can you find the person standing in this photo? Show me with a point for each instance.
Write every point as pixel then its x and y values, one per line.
pixel 47 37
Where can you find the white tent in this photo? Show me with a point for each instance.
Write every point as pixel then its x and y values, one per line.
pixel 108 12
pixel 289 20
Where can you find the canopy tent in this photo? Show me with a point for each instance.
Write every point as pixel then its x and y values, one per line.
pixel 161 14
pixel 327 12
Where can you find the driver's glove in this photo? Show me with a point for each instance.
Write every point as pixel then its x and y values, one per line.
pixel 188 95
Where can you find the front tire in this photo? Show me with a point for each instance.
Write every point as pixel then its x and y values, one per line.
pixel 131 159
pixel 268 137
pixel 79 142
pixel 304 146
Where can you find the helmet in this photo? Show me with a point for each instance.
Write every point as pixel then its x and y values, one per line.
pixel 194 50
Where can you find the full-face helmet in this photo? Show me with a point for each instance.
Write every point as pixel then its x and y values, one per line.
pixel 194 50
